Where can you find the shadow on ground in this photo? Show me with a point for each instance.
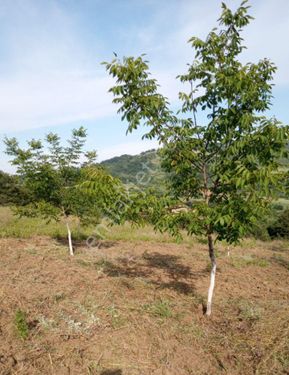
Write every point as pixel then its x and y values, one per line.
pixel 278 259
pixel 86 242
pixel 111 372
pixel 161 270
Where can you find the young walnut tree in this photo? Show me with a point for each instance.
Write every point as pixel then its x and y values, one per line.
pixel 226 168
pixel 55 177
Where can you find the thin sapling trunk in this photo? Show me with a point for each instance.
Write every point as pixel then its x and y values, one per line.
pixel 213 274
pixel 69 239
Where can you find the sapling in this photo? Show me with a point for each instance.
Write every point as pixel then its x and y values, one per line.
pixel 54 175
pixel 224 168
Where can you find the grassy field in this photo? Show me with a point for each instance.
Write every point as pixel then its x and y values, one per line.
pixel 134 305
pixel 12 226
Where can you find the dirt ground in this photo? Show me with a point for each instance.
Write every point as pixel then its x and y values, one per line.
pixel 136 308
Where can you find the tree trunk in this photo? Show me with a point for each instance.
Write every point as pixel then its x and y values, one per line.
pixel 69 239
pixel 213 274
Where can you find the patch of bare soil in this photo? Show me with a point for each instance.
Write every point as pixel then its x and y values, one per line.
pixel 137 309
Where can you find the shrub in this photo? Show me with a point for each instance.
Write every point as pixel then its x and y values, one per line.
pixel 280 228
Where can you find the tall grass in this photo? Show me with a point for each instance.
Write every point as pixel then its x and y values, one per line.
pixel 12 226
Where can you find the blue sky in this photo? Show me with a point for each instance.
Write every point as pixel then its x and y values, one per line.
pixel 50 54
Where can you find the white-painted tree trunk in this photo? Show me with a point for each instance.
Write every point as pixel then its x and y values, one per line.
pixel 211 289
pixel 212 276
pixel 69 240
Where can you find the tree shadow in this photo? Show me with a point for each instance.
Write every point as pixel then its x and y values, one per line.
pixel 162 270
pixel 279 248
pixel 278 259
pixel 168 263
pixel 111 372
pixel 179 286
pixel 84 243
pixel 118 270
pixel 103 245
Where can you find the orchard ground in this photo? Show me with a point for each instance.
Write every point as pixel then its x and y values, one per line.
pixel 134 306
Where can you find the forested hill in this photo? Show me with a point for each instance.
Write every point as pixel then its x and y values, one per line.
pixel 142 170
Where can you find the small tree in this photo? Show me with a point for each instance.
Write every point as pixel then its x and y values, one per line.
pixel 54 176
pixel 225 169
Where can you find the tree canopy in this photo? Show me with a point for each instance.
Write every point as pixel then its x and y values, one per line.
pixel 12 191
pixel 225 169
pixel 55 174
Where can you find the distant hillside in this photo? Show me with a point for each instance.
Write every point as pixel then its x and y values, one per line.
pixel 142 170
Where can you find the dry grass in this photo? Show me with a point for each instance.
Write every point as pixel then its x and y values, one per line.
pixel 134 304
pixel 136 308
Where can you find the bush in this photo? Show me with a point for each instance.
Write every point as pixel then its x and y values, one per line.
pixel 260 229
pixel 12 190
pixel 280 228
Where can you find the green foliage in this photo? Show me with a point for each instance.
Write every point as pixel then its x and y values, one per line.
pixel 280 228
pixel 259 229
pixel 140 171
pixel 21 324
pixel 106 191
pixel 137 93
pixel 224 170
pixel 54 174
pixel 274 222
pixel 12 191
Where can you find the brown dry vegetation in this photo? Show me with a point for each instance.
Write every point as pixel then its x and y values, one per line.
pixel 136 308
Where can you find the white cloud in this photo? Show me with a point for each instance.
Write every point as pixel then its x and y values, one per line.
pixel 34 101
pixel 50 78
pixel 52 75
pixel 265 37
